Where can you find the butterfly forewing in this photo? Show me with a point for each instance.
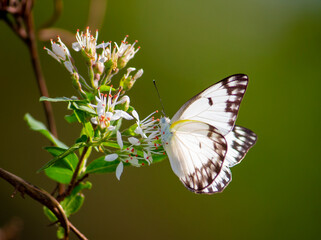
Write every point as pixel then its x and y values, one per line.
pixel 196 153
pixel 217 105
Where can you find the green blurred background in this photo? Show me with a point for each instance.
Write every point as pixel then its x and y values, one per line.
pixel 187 45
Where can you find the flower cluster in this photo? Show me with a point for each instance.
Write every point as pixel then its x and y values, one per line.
pixel 106 106
pixel 147 143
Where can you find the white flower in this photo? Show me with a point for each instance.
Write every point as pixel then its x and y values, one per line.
pixel 61 53
pixel 146 126
pixel 87 43
pixel 129 70
pixel 105 110
pixel 148 157
pixel 138 74
pixel 111 157
pixel 125 52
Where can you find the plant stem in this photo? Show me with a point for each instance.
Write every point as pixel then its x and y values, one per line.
pixel 74 177
pixel 32 46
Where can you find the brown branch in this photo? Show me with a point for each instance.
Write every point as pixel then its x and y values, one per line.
pixel 39 195
pixel 77 232
pixel 42 197
pixel 32 46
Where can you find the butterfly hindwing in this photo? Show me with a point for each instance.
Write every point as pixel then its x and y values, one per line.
pixel 196 153
pixel 217 105
pixel 239 141
pixel 220 182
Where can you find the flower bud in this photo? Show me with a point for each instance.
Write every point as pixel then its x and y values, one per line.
pixel 127 82
pixel 123 103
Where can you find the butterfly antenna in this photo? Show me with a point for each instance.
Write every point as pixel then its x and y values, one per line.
pixel 159 97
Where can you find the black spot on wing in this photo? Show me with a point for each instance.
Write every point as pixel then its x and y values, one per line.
pixel 210 101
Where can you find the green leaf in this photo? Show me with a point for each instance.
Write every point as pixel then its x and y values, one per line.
pixel 49 214
pixel 71 118
pixel 159 158
pixel 99 165
pixel 89 129
pixel 72 203
pixel 130 131
pixel 59 99
pixel 80 115
pixel 69 161
pixel 75 200
pixel 83 138
pixel 59 174
pixel 111 144
pixel 87 109
pixel 60 232
pixel 82 186
pixel 61 156
pixel 40 127
pixel 63 170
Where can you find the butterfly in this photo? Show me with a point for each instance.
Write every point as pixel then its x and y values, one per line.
pixel 202 141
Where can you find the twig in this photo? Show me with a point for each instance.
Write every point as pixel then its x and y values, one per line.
pixel 74 177
pixel 42 197
pixel 77 232
pixel 32 46
pixel 39 195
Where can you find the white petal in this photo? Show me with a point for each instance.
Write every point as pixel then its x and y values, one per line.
pixel 123 114
pixel 111 157
pixel 103 59
pixel 53 55
pixel 103 45
pixel 129 70
pixel 138 130
pixel 148 158
pixel 134 141
pixel 94 120
pixel 58 50
pixel 109 115
pixel 69 66
pixel 134 162
pixel 119 170
pixel 119 140
pixel 111 128
pixel 135 114
pixel 76 46
pixel 124 99
pixel 138 74
pixel 116 116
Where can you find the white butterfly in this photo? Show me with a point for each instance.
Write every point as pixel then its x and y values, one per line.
pixel 201 140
